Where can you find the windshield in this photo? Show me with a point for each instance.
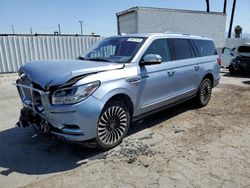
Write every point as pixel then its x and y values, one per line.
pixel 114 49
pixel 244 49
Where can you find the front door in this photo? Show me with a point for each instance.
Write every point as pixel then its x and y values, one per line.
pixel 158 81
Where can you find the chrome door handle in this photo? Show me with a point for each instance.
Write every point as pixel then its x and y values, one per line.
pixel 171 72
pixel 196 67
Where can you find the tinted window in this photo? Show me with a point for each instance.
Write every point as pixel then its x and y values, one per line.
pixel 181 49
pixel 205 47
pixel 160 47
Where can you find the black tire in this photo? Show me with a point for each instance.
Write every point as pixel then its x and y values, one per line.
pixel 113 125
pixel 204 93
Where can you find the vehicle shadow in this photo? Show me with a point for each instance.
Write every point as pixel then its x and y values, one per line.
pixel 25 152
pixel 246 82
pixel 242 75
pixel 160 117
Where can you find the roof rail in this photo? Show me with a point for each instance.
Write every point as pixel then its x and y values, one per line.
pixel 187 34
pixel 171 32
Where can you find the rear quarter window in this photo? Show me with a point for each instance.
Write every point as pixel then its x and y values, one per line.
pixel 205 47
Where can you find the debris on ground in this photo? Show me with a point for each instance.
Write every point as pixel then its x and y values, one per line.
pixel 132 149
pixel 178 130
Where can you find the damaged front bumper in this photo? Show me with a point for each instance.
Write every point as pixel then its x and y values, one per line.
pixel 76 122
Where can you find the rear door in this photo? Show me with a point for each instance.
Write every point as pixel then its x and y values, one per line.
pixel 186 68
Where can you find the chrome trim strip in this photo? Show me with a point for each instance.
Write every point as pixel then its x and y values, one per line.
pixel 163 100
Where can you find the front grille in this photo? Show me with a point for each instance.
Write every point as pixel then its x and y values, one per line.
pixel 29 95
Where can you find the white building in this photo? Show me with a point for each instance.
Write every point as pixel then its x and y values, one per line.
pixel 153 20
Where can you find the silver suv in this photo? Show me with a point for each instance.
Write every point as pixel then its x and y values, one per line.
pixel 119 80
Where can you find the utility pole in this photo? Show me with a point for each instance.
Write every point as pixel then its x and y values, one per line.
pixel 13 31
pixel 231 21
pixel 81 21
pixel 225 7
pixel 31 32
pixel 59 29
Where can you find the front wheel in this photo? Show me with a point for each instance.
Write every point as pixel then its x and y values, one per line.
pixel 204 93
pixel 113 125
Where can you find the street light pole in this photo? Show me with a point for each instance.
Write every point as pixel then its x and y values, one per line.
pixel 13 30
pixel 59 29
pixel 81 21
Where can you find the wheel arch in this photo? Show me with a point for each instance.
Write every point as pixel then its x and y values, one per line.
pixel 210 76
pixel 125 99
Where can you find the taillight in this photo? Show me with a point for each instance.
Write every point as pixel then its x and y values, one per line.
pixel 219 60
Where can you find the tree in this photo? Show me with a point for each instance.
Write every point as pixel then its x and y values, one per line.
pixel 238 30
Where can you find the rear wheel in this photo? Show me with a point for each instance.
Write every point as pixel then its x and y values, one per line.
pixel 204 92
pixel 113 125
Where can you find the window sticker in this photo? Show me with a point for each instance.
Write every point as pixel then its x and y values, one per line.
pixel 134 40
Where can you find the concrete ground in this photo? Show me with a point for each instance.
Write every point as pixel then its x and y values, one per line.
pixel 178 147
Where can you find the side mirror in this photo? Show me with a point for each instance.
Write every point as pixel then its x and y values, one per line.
pixel 151 59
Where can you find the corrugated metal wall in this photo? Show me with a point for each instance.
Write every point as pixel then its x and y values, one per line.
pixel 15 51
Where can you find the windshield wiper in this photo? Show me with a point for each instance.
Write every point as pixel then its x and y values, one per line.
pixel 99 59
pixel 81 58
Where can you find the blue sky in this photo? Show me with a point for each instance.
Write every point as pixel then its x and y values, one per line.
pixel 98 15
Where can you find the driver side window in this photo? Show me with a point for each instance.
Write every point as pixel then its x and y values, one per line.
pixel 160 47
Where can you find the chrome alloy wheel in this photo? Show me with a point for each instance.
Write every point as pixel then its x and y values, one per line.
pixel 112 125
pixel 205 92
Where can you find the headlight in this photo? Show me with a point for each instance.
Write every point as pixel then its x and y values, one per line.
pixel 74 94
pixel 235 61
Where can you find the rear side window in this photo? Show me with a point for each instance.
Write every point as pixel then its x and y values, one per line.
pixel 205 47
pixel 160 47
pixel 181 49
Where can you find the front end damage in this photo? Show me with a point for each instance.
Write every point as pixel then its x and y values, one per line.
pixel 72 122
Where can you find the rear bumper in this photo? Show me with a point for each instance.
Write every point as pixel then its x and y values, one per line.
pixel 76 122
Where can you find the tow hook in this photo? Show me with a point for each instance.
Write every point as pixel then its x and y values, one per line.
pixel 21 124
pixel 45 127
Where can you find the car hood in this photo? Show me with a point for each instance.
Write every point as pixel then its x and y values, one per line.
pixel 54 73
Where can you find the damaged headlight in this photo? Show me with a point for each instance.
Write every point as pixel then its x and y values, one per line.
pixel 74 94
